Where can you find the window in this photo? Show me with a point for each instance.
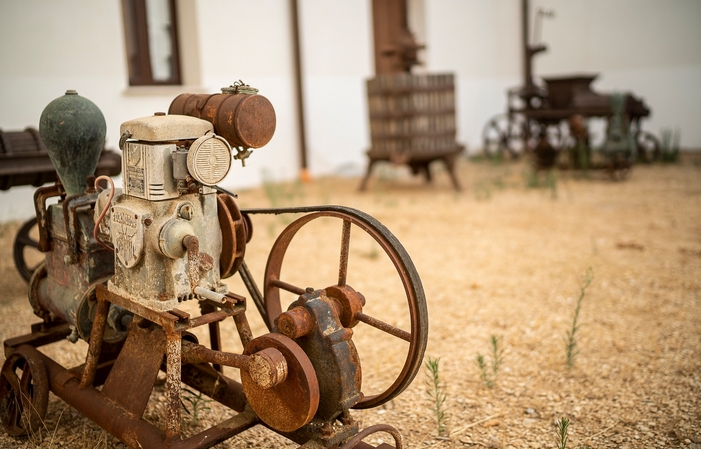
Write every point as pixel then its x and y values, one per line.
pixel 152 42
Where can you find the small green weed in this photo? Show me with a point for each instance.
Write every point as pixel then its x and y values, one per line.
pixel 669 151
pixel 435 392
pixel 548 181
pixel 197 403
pixel 563 425
pixel 488 374
pixel 571 349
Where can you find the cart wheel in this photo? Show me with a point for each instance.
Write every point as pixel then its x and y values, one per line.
pixel 411 283
pixel 24 393
pixel 556 135
pixel 494 138
pixel 503 133
pixel 648 147
pixel 26 249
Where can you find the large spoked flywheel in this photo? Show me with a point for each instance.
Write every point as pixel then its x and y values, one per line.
pixel 352 222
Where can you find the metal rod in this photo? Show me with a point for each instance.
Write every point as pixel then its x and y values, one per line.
pixel 243 328
pixel 95 347
pixel 173 379
pixel 527 75
pixel 253 290
pixel 194 353
pixel 299 87
pixel 287 287
pixel 381 325
pixel 345 243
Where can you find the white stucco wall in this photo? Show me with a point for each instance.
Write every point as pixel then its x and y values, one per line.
pixel 650 47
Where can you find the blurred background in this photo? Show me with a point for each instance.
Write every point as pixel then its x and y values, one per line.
pixel 311 59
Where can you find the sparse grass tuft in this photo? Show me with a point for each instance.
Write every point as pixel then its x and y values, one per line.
pixel 488 374
pixel 548 181
pixel 435 392
pixel 197 404
pixel 571 349
pixel 669 151
pixel 563 425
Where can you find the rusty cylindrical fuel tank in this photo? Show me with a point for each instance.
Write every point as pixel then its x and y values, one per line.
pixel 244 120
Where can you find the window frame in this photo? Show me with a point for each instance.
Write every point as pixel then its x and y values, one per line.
pixel 138 52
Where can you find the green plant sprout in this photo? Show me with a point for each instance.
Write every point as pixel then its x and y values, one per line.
pixel 571 348
pixel 549 181
pixel 563 425
pixel 197 403
pixel 669 151
pixel 489 376
pixel 435 392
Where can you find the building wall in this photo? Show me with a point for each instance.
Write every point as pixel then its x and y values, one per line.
pixel 649 47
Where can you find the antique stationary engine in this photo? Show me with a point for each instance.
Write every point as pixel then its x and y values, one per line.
pixel 120 263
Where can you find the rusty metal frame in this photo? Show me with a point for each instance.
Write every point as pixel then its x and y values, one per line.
pixel 195 365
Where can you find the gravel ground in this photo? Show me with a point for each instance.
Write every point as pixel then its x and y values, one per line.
pixel 499 259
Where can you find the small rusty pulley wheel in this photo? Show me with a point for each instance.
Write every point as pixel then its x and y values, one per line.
pixel 26 243
pixel 416 300
pixel 235 233
pixel 291 404
pixel 24 393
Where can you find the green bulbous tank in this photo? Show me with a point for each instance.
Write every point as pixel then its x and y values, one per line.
pixel 73 130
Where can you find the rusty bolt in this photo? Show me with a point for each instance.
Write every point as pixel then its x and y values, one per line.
pixel 296 322
pixel 267 368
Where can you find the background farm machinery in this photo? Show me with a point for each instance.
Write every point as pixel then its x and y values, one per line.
pixel 121 263
pixel 551 119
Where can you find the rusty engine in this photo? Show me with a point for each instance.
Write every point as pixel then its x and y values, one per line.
pixel 120 262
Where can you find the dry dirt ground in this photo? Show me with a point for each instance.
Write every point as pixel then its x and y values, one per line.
pixel 502 258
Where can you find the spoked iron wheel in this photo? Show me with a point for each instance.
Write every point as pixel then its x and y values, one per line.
pixel 413 290
pixel 24 393
pixel 26 249
pixel 504 134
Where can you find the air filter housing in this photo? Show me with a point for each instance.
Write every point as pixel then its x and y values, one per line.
pixel 209 159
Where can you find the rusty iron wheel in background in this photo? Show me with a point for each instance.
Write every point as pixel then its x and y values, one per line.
pixel 416 300
pixel 503 134
pixel 24 393
pixel 24 241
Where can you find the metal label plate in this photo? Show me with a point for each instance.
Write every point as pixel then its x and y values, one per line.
pixel 127 235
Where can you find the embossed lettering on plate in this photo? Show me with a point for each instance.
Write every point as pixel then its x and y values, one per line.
pixel 127 235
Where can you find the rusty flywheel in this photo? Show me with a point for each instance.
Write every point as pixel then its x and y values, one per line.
pixel 236 232
pixel 417 335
